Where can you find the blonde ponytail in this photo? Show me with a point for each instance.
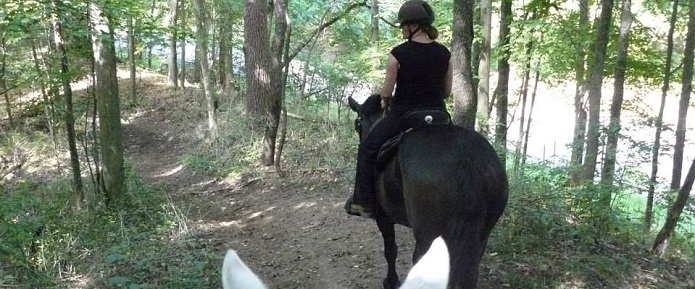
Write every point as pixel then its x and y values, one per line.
pixel 431 31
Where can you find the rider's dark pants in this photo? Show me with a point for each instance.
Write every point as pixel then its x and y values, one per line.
pixel 365 178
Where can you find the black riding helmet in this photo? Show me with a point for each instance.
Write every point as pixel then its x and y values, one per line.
pixel 415 12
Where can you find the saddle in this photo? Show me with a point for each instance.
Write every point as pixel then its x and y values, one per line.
pixel 413 119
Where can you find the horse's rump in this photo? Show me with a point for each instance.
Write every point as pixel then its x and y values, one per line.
pixel 441 174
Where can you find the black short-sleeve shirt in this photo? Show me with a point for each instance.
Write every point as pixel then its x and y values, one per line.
pixel 421 75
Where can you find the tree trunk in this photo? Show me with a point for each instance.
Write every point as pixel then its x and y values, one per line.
pixel 230 88
pixel 465 97
pixel 483 116
pixel 374 36
pixel 106 89
pixel 274 100
pixel 306 70
pixel 530 119
pixel 502 91
pixel 283 115
pixel 182 73
pixel 3 84
pixel 97 176
pixel 686 88
pixel 202 52
pixel 149 57
pixel 675 211
pixel 475 51
pixel 608 170
pixel 522 104
pixel 595 83
pixel 8 102
pixel 131 58
pixel 68 115
pixel 150 44
pixel 47 102
pixel 223 53
pixel 53 89
pixel 172 59
pixel 648 213
pixel 579 96
pixel 212 43
pixel 257 57
pixel 195 74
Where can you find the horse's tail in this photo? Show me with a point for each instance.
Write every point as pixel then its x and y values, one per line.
pixel 466 247
pixel 467 233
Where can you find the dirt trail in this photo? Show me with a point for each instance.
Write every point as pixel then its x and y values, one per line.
pixel 292 232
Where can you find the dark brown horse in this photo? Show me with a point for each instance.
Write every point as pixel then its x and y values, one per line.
pixel 443 180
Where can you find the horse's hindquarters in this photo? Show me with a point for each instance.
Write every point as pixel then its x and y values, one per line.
pixel 446 181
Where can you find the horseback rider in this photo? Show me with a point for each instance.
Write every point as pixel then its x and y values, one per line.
pixel 420 72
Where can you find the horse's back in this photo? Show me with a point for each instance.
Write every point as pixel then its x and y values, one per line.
pixel 447 173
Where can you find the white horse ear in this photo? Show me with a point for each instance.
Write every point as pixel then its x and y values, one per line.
pixel 236 275
pixel 432 271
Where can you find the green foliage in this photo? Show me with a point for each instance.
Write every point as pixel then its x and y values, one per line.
pixel 554 54
pixel 32 242
pixel 42 235
pixel 235 153
pixel 553 236
pixel 208 161
pixel 645 57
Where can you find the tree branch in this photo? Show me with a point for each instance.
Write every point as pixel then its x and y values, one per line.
pixel 384 19
pixel 388 22
pixel 6 90
pixel 323 26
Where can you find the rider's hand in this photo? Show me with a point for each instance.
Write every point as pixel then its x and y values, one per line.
pixel 385 101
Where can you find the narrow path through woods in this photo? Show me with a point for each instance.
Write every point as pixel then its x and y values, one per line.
pixel 293 232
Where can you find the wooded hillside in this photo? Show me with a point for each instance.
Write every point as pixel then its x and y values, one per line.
pixel 124 122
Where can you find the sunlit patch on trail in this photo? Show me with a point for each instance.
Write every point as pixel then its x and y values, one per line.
pixel 304 205
pixel 260 213
pixel 236 224
pixel 170 172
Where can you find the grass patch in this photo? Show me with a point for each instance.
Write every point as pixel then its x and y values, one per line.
pixel 47 244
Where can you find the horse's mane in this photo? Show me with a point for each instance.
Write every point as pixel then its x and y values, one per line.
pixel 372 105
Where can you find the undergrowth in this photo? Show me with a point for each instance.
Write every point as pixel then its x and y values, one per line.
pixel 311 143
pixel 556 236
pixel 48 244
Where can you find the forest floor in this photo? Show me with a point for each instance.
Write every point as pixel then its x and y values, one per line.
pixel 294 233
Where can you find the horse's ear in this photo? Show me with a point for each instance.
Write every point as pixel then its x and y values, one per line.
pixel 353 104
pixel 235 274
pixel 432 271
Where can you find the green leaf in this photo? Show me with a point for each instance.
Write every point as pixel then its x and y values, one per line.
pixel 115 258
pixel 118 280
